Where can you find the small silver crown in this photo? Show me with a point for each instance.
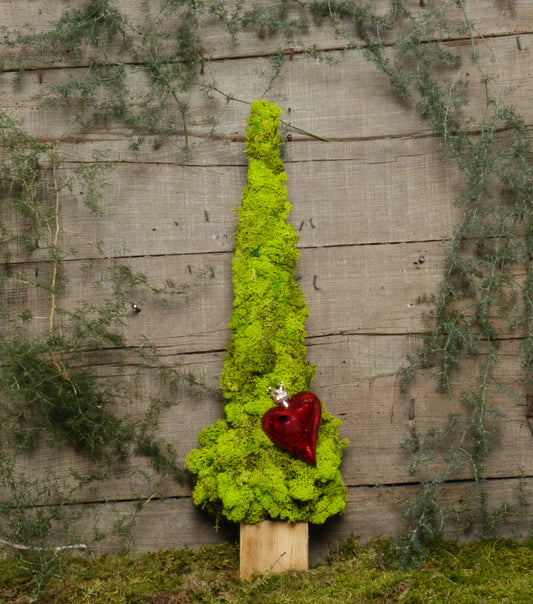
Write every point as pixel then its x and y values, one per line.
pixel 280 395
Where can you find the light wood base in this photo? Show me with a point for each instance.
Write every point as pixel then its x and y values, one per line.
pixel 273 547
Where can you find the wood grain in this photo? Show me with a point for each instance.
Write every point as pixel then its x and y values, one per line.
pixel 490 20
pixel 352 193
pixel 273 547
pixel 371 513
pixel 356 380
pixel 388 280
pixel 367 206
pixel 347 100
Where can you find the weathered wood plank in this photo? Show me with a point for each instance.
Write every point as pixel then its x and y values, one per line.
pixel 351 99
pixel 357 381
pixel 384 191
pixel 348 100
pixel 378 512
pixel 371 512
pixel 349 289
pixel 185 526
pixel 490 20
pixel 382 182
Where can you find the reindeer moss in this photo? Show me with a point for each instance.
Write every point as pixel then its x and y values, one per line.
pixel 240 473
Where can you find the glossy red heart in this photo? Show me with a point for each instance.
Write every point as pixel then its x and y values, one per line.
pixel 293 426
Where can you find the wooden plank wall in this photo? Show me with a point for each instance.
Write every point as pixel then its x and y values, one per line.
pixel 367 205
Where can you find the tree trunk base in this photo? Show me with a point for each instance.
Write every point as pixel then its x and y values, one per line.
pixel 273 547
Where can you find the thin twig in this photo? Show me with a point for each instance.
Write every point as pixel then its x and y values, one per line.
pixel 55 269
pixel 231 97
pixel 54 248
pixel 58 548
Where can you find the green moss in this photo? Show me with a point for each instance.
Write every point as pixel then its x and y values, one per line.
pixel 487 571
pixel 240 473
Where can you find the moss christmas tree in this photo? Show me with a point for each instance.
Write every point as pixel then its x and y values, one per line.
pixel 240 472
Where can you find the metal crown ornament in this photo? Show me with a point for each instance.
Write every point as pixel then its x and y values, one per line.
pixel 280 395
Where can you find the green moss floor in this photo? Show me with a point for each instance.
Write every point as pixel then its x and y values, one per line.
pixel 475 572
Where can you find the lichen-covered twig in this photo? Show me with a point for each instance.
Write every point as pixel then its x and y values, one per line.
pixel 57 548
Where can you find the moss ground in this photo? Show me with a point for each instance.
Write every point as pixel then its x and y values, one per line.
pixel 477 572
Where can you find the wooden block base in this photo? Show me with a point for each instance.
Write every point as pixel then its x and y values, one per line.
pixel 273 547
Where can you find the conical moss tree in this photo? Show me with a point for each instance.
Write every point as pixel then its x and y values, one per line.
pixel 240 472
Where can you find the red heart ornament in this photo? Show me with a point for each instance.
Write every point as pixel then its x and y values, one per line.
pixel 293 425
